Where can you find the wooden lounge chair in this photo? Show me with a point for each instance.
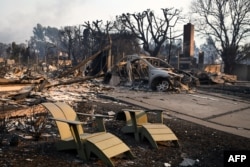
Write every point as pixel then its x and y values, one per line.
pixel 137 123
pixel 103 144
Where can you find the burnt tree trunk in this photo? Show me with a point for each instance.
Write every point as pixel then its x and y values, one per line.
pixel 229 58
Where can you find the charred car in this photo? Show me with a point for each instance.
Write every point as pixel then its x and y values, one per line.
pixel 157 73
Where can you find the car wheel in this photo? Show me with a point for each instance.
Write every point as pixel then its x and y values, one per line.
pixel 163 85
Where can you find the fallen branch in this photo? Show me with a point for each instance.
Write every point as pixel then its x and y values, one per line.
pixel 76 80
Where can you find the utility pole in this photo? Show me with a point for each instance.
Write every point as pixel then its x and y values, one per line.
pixel 170 45
pixel 19 59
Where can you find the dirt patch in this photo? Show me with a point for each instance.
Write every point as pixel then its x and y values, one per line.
pixel 203 145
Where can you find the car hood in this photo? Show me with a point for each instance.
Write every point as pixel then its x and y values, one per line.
pixel 170 71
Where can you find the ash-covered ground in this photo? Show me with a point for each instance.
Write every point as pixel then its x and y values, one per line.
pixel 199 146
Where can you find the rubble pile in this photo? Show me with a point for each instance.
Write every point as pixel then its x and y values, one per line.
pixel 22 91
pixel 29 120
pixel 216 78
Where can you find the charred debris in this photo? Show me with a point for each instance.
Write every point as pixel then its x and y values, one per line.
pixel 23 88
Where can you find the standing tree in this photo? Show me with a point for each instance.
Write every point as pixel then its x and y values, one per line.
pixel 42 38
pixel 210 52
pixel 38 40
pixel 227 21
pixel 98 35
pixel 124 42
pixel 146 26
pixel 72 42
pixel 15 52
pixel 67 36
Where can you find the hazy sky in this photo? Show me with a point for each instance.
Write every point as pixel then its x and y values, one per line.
pixel 19 17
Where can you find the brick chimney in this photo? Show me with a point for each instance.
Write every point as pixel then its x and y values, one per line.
pixel 188 40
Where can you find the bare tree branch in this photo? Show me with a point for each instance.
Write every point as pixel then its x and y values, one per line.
pixel 227 21
pixel 147 27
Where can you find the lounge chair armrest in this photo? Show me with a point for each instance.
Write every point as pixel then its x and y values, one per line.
pixel 159 117
pixel 131 110
pixel 103 116
pixel 68 121
pixel 155 110
pixel 99 120
pixel 95 115
pixel 133 119
pixel 137 117
pixel 134 123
